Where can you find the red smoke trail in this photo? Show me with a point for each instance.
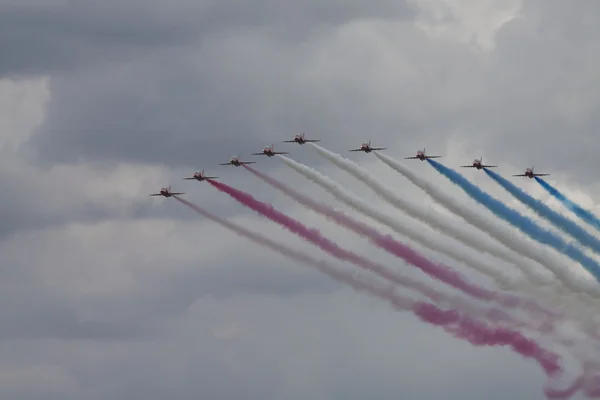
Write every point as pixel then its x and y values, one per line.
pixel 314 236
pixel 438 271
pixel 322 266
pixel 475 332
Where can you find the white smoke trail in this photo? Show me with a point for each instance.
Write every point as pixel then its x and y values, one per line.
pixel 419 236
pixel 501 233
pixel 429 217
pixel 493 315
pixel 578 306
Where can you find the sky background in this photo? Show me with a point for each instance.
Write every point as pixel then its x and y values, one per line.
pixel 108 293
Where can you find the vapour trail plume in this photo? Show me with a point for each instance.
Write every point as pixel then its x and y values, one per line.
pixel 315 237
pixel 561 222
pixel 430 217
pixel 582 213
pixel 522 223
pixel 418 235
pixel 466 328
pixel 438 271
pixel 499 232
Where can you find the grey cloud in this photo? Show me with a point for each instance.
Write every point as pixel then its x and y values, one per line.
pixel 146 298
pixel 233 96
pixel 539 104
pixel 62 36
pixel 237 91
pixel 277 350
pixel 54 38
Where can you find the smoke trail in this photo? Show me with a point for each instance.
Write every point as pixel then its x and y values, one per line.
pixel 458 325
pixel 438 271
pixel 479 334
pixel 322 266
pixel 561 222
pixel 417 235
pixel 579 305
pixel 315 237
pixel 585 215
pixel 522 223
pixel 499 232
pixel 430 217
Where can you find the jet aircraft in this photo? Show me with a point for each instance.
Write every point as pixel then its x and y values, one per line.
pixel 166 192
pixel 235 161
pixel 530 174
pixel 478 164
pixel 421 156
pixel 199 176
pixel 366 147
pixel 269 152
pixel 299 138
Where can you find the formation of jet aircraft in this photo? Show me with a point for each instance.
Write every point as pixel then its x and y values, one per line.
pixel 299 138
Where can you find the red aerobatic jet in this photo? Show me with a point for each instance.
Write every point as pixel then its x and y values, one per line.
pixel 421 156
pixel 199 176
pixel 165 192
pixel 269 152
pixel 530 174
pixel 366 147
pixel 478 164
pixel 299 138
pixel 235 161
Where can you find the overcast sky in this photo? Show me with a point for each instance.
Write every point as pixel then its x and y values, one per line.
pixel 110 294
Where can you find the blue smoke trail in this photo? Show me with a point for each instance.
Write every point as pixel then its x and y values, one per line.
pixel 564 224
pixel 577 209
pixel 517 220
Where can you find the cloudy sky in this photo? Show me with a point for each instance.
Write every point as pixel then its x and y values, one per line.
pixel 108 293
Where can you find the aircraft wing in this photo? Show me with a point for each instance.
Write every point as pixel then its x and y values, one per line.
pixel 378 148
pixel 290 141
pixel 433 156
pixel 211 177
pixel 156 194
pixel 188 179
pixel 258 154
pixel 311 140
pixel 247 162
pixel 173 194
pixel 467 166
pixel 227 163
pixel 411 158
pixel 489 166
pixel 541 174
pixel 520 175
pixel 356 150
pixel 280 152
